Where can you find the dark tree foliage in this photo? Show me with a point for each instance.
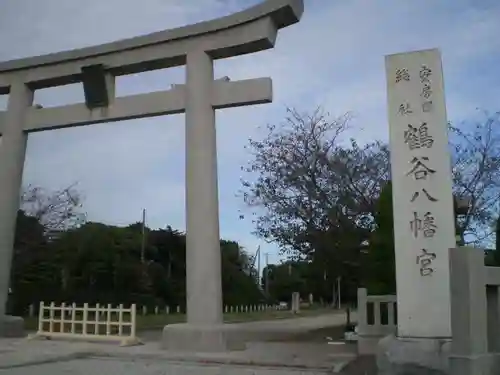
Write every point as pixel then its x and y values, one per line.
pixel 380 263
pixel 57 260
pixel 315 193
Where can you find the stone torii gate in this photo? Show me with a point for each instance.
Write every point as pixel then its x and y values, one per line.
pixel 195 46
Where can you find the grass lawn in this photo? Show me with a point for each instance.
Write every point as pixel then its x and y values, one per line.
pixel 158 321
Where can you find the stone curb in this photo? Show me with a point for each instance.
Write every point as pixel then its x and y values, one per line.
pixel 225 361
pixel 42 361
pixel 335 368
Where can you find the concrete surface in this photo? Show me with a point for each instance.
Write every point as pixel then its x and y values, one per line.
pixel 19 356
pixel 368 345
pixel 403 356
pixel 203 338
pixel 265 330
pixel 145 367
pixel 11 326
pixel 25 354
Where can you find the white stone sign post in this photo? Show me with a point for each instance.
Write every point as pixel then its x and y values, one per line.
pixel 424 228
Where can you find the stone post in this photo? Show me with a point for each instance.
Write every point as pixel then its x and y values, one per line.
pixel 472 344
pixel 424 225
pixel 203 258
pixel 361 309
pixel 12 154
pixel 295 302
pixel 204 330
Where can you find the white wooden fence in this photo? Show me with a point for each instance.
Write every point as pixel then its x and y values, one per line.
pixel 159 310
pixel 100 323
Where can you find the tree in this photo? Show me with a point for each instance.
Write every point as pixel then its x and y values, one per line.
pixel 98 263
pixel 314 193
pixel 285 279
pixel 33 270
pixel 42 214
pixel 169 257
pixel 55 210
pixel 239 284
pixel 380 263
pixel 476 175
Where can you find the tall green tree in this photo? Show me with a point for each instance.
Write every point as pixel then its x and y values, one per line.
pixel 380 258
pixel 97 263
pixel 314 192
pixel 285 279
pixel 239 284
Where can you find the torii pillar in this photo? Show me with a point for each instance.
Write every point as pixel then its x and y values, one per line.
pixel 196 46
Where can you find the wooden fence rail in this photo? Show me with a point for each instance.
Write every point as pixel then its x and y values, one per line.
pixel 99 323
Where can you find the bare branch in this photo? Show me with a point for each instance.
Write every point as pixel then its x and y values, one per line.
pixel 56 211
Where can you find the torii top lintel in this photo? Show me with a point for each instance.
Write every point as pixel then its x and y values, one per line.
pixel 248 31
pixel 251 30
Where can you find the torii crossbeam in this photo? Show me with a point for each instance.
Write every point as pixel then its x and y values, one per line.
pixel 195 46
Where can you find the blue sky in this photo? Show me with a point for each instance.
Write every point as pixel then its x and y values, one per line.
pixel 334 57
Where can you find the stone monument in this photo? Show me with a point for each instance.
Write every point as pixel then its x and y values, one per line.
pixel 195 46
pixel 424 226
pixel 295 302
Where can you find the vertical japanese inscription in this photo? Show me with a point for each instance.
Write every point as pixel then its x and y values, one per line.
pixel 417 136
pixel 424 260
pixel 422 192
pixel 425 75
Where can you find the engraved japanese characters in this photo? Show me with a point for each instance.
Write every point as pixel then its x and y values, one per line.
pixel 417 136
pixel 424 226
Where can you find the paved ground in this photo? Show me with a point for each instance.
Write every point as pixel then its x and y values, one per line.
pixel 364 365
pixel 292 327
pixel 260 358
pixel 110 367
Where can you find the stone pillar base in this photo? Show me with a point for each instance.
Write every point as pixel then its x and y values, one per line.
pixel 11 326
pixel 484 364
pixel 367 345
pixel 413 356
pixel 195 338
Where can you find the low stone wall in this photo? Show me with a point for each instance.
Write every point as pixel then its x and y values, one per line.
pixel 475 314
pixel 376 319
